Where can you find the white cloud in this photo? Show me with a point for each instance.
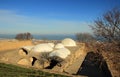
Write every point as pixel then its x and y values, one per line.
pixel 20 23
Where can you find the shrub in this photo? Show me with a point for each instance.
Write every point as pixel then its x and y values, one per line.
pixel 108 26
pixel 24 36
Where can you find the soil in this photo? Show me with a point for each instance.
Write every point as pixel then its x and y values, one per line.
pixel 12 44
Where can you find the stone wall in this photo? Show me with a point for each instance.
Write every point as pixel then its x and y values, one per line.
pixel 75 53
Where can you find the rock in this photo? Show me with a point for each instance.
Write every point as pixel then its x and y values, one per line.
pixel 22 52
pixel 68 42
pixel 31 59
pixel 41 64
pixel 46 64
pixel 37 64
pixel 59 45
pixel 24 61
pixel 62 53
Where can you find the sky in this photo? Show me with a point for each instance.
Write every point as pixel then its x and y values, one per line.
pixel 51 16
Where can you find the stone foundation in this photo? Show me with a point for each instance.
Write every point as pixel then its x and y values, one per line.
pixel 75 54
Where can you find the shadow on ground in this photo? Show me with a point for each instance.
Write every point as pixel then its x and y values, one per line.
pixel 92 66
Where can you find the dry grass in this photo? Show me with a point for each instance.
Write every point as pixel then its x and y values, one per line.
pixel 12 44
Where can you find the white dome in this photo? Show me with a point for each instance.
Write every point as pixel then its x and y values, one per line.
pixel 59 45
pixel 42 48
pixel 62 53
pixel 28 48
pixel 68 42
pixel 51 44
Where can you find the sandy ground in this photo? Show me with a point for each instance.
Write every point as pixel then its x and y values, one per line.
pixel 9 50
pixel 12 44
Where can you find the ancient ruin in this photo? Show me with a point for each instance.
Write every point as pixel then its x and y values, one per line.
pixel 66 56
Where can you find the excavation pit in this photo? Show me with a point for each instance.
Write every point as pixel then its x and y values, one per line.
pixel 94 66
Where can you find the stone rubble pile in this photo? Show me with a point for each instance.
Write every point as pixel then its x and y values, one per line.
pixel 40 55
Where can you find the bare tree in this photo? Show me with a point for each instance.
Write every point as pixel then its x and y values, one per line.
pixel 108 26
pixel 28 36
pixel 84 37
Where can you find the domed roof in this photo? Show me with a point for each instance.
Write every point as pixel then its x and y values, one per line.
pixel 68 42
pixel 51 44
pixel 62 53
pixel 59 45
pixel 27 48
pixel 42 48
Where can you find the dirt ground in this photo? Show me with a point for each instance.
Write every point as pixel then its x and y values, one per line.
pixel 12 44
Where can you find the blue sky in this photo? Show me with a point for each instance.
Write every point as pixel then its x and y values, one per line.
pixel 51 16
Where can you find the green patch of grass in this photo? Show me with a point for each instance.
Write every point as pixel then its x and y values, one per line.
pixel 8 70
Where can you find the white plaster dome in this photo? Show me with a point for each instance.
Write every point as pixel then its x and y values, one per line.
pixel 62 53
pixel 27 48
pixel 51 44
pixel 59 45
pixel 42 48
pixel 68 42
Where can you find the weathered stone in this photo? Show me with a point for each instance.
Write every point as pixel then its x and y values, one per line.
pixel 22 52
pixel 71 59
pixel 25 50
pixel 41 64
pixel 74 67
pixel 31 59
pixel 57 69
pixel 75 59
pixel 46 64
pixel 24 61
pixel 37 64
